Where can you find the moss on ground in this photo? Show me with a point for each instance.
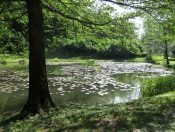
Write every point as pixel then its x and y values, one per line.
pixel 151 114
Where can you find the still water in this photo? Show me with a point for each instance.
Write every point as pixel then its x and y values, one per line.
pixel 77 84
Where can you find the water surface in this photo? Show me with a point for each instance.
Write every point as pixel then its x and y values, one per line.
pixel 79 84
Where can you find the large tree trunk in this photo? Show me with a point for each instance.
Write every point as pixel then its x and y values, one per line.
pixel 39 98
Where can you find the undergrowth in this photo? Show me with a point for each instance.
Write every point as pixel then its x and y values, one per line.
pixel 158 85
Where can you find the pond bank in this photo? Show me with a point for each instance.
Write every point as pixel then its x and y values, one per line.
pixel 148 114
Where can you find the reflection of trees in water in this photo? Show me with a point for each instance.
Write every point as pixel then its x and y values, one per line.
pixel 134 80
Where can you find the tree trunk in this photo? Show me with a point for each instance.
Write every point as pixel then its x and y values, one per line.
pixel 39 98
pixel 166 53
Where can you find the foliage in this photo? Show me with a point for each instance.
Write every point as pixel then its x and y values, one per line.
pixel 21 62
pixel 89 62
pixel 54 70
pixel 159 85
pixel 70 36
pixel 3 62
pixel 149 59
pixel 13 31
pixel 157 57
pixel 159 34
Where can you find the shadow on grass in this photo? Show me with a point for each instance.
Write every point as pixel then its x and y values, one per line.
pixel 13 118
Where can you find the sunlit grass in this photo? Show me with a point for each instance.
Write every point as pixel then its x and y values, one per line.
pixel 160 59
pixel 13 57
pixel 14 67
pixel 11 61
pixel 157 57
pixel 140 59
pixel 74 59
pixel 170 95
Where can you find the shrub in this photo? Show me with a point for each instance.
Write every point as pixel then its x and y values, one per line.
pixel 149 59
pixel 159 85
pixel 89 62
pixel 54 70
pixel 21 62
pixel 3 62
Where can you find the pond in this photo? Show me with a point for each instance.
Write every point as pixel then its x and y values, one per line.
pixel 108 83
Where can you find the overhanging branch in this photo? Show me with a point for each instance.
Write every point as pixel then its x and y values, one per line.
pixel 84 22
pixel 135 5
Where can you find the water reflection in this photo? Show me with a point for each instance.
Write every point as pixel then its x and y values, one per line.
pixel 77 84
pixel 135 80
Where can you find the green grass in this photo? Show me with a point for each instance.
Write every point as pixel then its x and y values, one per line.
pixel 73 59
pixel 13 58
pixel 139 59
pixel 148 114
pixel 158 59
pixel 13 62
pixel 14 66
pixel 20 62
pixel 89 62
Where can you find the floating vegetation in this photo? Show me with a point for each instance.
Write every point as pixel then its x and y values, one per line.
pixel 81 82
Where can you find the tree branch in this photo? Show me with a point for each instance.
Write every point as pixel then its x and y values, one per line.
pixel 85 22
pixel 135 5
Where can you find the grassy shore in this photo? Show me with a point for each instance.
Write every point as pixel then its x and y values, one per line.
pixel 147 114
pixel 158 59
pixel 11 58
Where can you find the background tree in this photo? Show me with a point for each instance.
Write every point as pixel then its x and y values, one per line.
pixel 159 32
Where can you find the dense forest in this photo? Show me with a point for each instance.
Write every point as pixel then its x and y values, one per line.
pixel 84 40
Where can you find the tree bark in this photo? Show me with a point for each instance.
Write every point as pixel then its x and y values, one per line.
pixel 39 98
pixel 166 53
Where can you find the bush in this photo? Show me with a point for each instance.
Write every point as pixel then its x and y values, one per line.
pixel 149 59
pixel 159 85
pixel 3 62
pixel 21 62
pixel 116 52
pixel 89 62
pixel 54 70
